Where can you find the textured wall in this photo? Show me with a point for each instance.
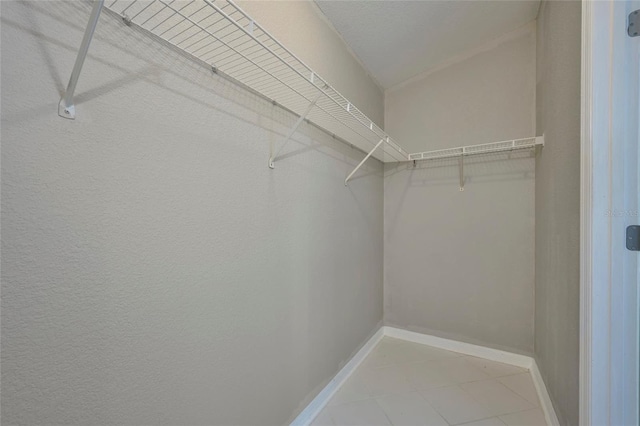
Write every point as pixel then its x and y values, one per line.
pixel 461 264
pixel 154 269
pixel 558 205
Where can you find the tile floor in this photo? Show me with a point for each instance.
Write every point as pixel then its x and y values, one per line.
pixel 403 383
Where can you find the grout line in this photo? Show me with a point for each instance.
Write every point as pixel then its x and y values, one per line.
pixel 523 411
pixel 383 412
pixel 511 391
pixel 435 409
pixel 479 420
pixel 530 375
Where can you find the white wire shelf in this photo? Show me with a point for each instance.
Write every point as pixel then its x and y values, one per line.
pixel 485 148
pixel 219 33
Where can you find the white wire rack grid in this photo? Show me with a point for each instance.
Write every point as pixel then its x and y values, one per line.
pixel 219 33
pixel 485 148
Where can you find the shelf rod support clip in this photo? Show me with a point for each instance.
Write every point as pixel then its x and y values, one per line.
pixel 293 129
pixel 363 160
pixel 461 169
pixel 66 107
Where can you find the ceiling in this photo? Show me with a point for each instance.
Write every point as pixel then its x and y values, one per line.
pixel 396 39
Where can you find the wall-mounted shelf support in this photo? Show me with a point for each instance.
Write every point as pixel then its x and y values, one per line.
pixel 485 148
pixel 461 171
pixel 66 107
pixel 304 115
pixel 362 162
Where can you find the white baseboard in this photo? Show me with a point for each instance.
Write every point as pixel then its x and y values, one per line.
pixel 522 361
pixel 543 395
pixel 320 401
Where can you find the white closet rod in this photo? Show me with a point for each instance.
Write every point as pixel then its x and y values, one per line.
pixel 485 148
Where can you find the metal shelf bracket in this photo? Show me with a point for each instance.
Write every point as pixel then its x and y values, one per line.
pixel 461 171
pixel 66 107
pixel 293 129
pixel 346 181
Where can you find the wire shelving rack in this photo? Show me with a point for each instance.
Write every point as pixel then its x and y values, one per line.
pixel 484 148
pixel 220 34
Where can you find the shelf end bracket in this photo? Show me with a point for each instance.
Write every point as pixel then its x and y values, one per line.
pixel 461 171
pixel 293 129
pixel 66 107
pixel 346 181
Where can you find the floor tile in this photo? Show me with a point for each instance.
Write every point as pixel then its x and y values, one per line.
pixel 387 352
pixel 365 413
pixel 461 370
pixel 421 352
pixel 323 419
pixel 493 421
pixel 455 405
pixel 522 384
pixel 410 409
pixel 397 352
pixel 405 383
pixel 354 389
pixel 427 375
pixel 393 340
pixel 386 381
pixel 533 417
pixel 495 369
pixel 496 397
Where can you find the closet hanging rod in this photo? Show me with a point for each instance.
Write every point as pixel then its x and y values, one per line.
pixel 222 35
pixel 485 148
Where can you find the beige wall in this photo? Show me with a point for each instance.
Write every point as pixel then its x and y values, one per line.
pixel 154 269
pixel 558 205
pixel 461 264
